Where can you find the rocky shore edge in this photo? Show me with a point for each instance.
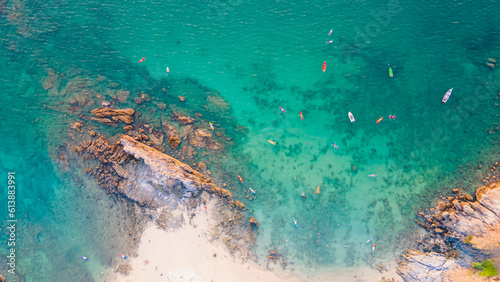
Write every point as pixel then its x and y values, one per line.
pixel 462 230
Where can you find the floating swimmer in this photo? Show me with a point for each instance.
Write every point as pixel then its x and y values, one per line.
pixel 301 116
pixel 251 190
pixel 351 117
pixel 317 190
pixel 211 125
pixel 85 258
pixel 239 177
pixel 380 119
pixel 372 175
pixel 335 145
pixel 330 33
pixel 123 256
pixel 447 96
pixel 168 70
pixel 295 222
pixel 324 66
pixel 283 110
pixel 392 117
pixel 142 60
pixel 369 240
pixel 272 142
pixel 303 195
pixel 328 42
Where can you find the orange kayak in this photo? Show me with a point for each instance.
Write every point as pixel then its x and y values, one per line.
pixel 240 179
pixel 324 66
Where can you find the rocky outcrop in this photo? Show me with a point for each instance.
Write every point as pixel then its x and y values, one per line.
pixel 420 266
pixel 103 115
pixel 157 175
pixel 453 225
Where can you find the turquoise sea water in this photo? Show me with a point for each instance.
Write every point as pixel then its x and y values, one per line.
pixel 259 56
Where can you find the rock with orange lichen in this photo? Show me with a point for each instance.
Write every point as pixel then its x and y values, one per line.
pixel 183 120
pixel 453 222
pixel 201 138
pixel 116 115
pixel 173 142
pixel 173 138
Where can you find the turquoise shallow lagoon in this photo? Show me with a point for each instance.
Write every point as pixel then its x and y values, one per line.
pixel 260 56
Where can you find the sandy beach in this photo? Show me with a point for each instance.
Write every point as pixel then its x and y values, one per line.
pixel 188 254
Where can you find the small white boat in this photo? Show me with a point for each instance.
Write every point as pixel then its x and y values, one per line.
pixel 447 95
pixel 351 117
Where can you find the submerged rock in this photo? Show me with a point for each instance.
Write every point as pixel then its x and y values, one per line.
pixel 103 115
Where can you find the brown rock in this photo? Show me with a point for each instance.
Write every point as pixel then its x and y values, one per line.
pixel 468 197
pixel 491 60
pixel 92 133
pixel 183 120
pixel 491 65
pixel 456 191
pixel 124 119
pixel 127 128
pixel 106 121
pixel 173 141
pixel 77 126
pixel 253 222
pixel 237 204
pixel 107 112
pixel 182 98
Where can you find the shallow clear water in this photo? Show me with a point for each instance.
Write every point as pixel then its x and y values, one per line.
pixel 261 56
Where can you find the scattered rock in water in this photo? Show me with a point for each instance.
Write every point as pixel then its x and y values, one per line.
pixel 182 98
pixel 173 141
pixel 354 168
pixel 253 223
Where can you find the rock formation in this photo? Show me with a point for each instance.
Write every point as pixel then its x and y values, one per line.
pixel 158 174
pixel 462 231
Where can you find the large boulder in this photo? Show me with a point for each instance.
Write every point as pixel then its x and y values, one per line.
pixel 419 266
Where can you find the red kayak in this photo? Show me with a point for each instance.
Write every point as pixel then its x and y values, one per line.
pixel 324 66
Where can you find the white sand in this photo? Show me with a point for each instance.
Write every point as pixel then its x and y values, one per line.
pixel 186 254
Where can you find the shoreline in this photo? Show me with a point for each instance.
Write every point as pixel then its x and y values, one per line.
pixel 188 253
